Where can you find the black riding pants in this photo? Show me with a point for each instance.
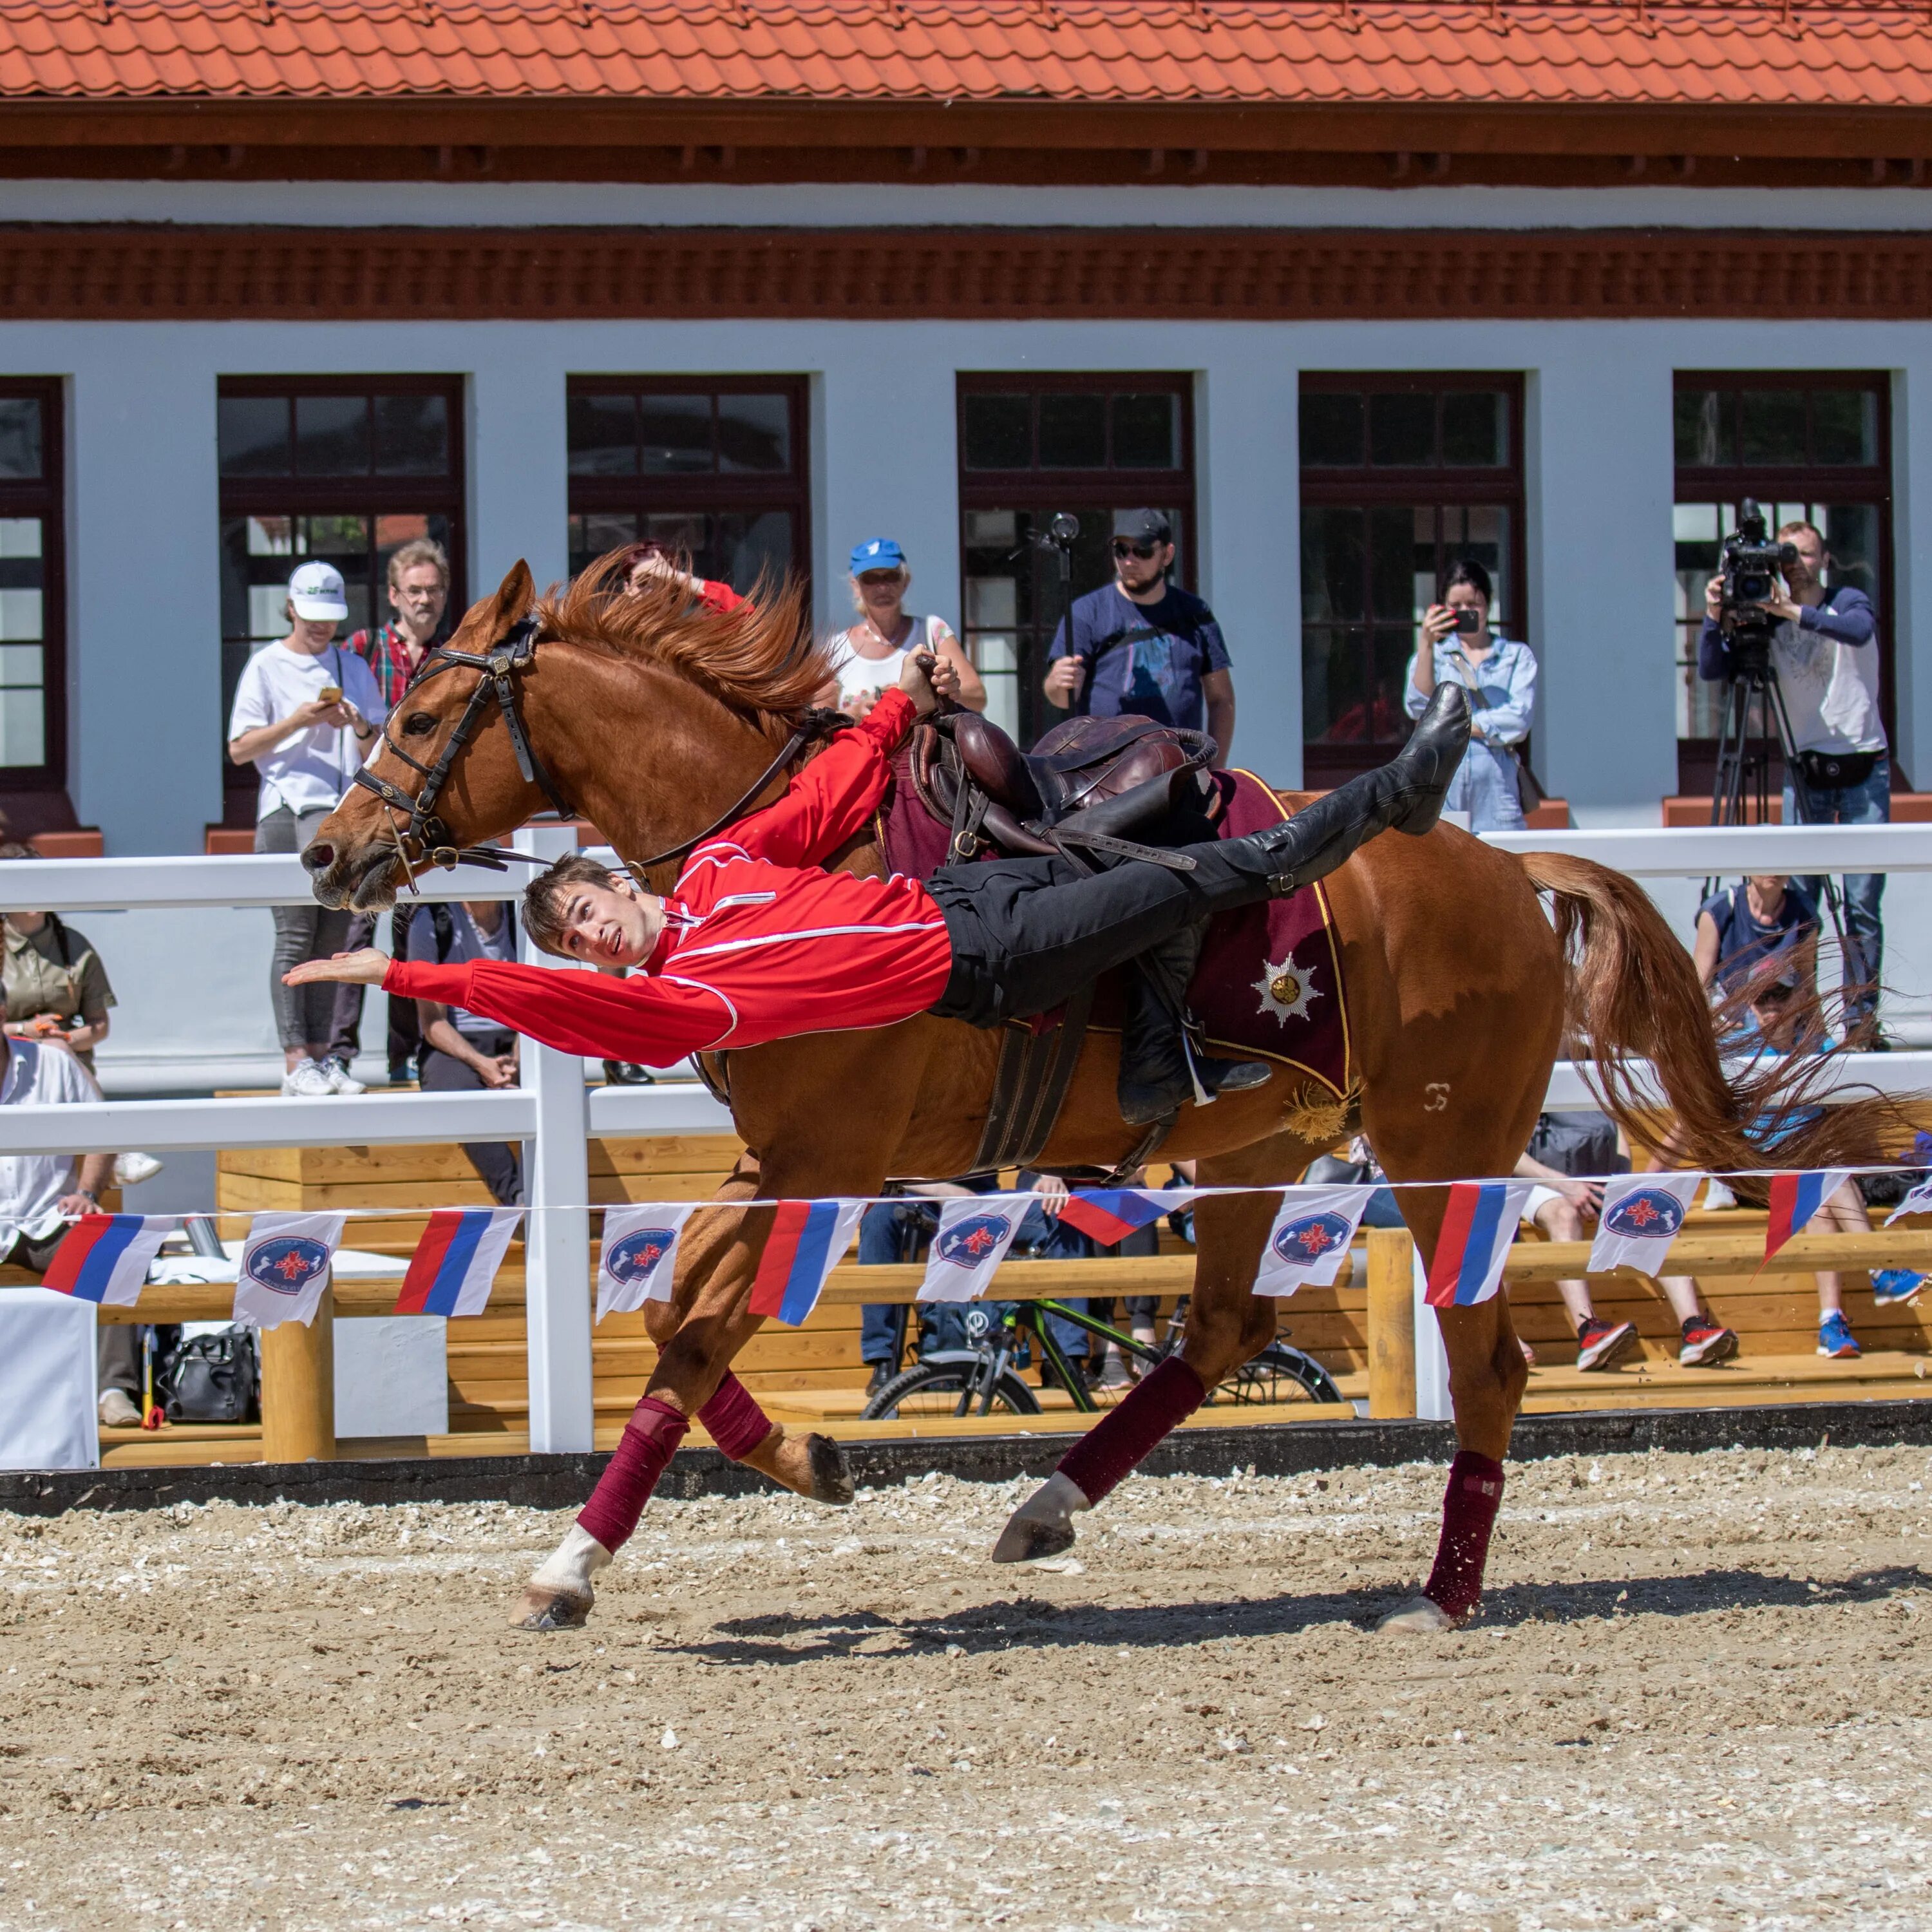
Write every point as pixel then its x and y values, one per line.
pixel 1028 933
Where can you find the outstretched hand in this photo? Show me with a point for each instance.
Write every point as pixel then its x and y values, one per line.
pixel 364 968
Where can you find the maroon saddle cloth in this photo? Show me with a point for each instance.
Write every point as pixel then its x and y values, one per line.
pixel 1269 984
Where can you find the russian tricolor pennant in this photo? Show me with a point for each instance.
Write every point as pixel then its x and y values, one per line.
pixel 1795 1199
pixel 456 1261
pixel 1474 1241
pixel 1110 1214
pixel 105 1258
pixel 807 1237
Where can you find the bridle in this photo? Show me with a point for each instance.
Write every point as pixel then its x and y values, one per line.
pixel 515 651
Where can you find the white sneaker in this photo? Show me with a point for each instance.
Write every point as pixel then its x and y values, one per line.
pixel 131 1169
pixel 340 1080
pixel 117 1410
pixel 307 1080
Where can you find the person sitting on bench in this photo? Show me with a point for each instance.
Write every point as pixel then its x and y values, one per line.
pixel 756 943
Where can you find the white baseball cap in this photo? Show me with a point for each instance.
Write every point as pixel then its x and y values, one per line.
pixel 317 592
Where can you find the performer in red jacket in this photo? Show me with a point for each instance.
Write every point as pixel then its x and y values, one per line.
pixel 756 943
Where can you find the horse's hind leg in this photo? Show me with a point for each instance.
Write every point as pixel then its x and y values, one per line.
pixel 1227 1323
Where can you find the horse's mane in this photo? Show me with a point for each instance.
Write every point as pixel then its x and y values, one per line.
pixel 760 658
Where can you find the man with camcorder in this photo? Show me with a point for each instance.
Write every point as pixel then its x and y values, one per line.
pixel 1823 646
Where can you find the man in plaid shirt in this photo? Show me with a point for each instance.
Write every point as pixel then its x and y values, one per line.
pixel 418 592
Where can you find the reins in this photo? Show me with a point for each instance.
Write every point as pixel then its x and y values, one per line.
pixel 515 651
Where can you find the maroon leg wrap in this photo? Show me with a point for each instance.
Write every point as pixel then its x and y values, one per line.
pixel 1469 1506
pixel 1115 1443
pixel 733 1419
pixel 650 1440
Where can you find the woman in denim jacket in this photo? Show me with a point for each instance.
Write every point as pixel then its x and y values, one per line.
pixel 1500 678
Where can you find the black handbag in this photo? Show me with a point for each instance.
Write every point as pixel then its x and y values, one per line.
pixel 212 1378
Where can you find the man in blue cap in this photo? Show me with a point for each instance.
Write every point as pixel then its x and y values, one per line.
pixel 1143 646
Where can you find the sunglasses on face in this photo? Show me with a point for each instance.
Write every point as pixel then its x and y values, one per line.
pixel 879 580
pixel 1144 551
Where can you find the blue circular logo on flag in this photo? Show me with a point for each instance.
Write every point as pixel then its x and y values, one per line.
pixel 968 1244
pixel 287 1263
pixel 1309 1237
pixel 636 1257
pixel 1650 1212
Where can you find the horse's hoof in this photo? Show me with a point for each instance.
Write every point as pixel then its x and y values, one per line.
pixel 831 1480
pixel 1026 1540
pixel 544 1609
pixel 1421 1616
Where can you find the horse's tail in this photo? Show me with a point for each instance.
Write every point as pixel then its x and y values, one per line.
pixel 1632 995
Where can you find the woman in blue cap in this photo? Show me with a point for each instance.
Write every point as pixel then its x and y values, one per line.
pixel 870 656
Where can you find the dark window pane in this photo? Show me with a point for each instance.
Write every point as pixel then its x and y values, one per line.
pixel 1844 427
pixel 753 433
pixel 332 436
pixel 997 432
pixel 1333 578
pixel 1475 428
pixel 1332 428
pixel 19 437
pixel 1851 536
pixel 747 543
pixel 598 533
pixel 412 436
pixel 1703 418
pixel 1147 432
pixel 1334 683
pixel 1771 427
pixel 1402 431
pixel 1072 432
pixel 603 435
pixel 252 435
pixel 676 435
pixel 1402 550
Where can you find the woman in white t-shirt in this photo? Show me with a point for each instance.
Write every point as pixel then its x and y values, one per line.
pixel 306 714
pixel 868 658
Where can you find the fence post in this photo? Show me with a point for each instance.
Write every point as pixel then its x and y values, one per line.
pixel 1391 1324
pixel 556 1232
pixel 299 1388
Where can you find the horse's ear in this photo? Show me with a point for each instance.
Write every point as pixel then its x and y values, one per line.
pixel 514 595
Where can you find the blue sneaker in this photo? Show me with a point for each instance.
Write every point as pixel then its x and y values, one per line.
pixel 1835 1338
pixel 1893 1287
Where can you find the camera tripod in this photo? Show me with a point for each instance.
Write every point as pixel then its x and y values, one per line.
pixel 1755 721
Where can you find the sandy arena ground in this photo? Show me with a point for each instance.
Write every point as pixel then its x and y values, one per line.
pixel 1700 1695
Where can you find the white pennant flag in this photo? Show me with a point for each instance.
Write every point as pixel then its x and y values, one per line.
pixel 640 1254
pixel 973 1236
pixel 1918 1201
pixel 1310 1237
pixel 1641 1216
pixel 284 1267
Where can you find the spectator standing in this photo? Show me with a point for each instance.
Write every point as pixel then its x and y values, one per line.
pixel 462 1052
pixel 1825 652
pixel 419 587
pixel 1500 677
pixel 41 1195
pixel 1142 646
pixel 306 713
pixel 868 658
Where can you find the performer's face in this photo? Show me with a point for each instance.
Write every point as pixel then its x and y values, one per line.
pixel 606 925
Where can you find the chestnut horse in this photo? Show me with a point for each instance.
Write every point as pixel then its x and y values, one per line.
pixel 653 717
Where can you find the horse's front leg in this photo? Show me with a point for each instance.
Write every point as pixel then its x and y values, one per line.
pixel 709 1319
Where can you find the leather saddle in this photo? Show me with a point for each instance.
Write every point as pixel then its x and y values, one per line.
pixel 1095 782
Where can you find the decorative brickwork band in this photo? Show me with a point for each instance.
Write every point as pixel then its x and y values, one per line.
pixel 152 274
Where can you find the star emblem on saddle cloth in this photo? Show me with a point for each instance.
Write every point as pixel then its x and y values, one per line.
pixel 1286 990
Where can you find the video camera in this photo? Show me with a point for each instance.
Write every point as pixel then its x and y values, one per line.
pixel 1752 566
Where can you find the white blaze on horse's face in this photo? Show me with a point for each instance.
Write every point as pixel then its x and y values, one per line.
pixel 605 925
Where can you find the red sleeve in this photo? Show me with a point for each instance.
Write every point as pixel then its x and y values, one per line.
pixel 832 797
pixel 654 1022
pixel 719 597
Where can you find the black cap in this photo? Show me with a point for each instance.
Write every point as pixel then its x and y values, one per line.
pixel 1142 526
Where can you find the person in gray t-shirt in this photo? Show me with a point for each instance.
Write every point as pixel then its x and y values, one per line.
pixel 463 1052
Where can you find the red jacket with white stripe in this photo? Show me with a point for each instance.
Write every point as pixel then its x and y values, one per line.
pixel 758 944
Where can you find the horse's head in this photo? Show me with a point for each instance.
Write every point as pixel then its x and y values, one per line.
pixel 448 770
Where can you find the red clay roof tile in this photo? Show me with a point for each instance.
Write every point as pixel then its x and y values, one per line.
pixel 1324 51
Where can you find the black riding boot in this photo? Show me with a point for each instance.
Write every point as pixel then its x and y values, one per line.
pixel 1155 1079
pixel 1405 795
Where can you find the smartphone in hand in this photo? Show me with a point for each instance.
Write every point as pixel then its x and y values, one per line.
pixel 1469 622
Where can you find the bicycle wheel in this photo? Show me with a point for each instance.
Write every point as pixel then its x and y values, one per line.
pixel 931 1391
pixel 1279 1374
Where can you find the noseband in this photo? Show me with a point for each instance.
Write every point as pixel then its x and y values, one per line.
pixel 499 665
